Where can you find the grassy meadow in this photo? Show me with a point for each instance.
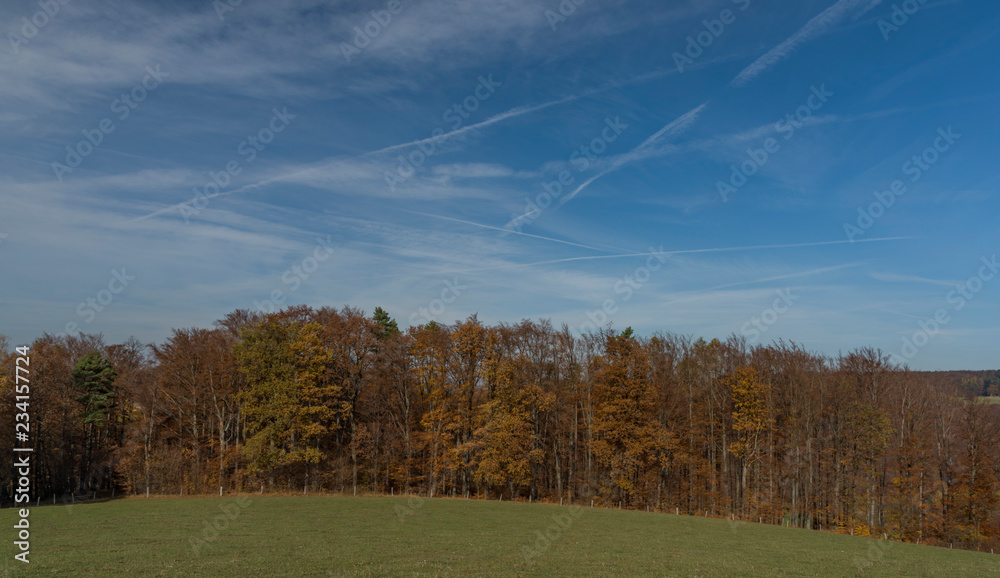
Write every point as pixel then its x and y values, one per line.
pixel 369 536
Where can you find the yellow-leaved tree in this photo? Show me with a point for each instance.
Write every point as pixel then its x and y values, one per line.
pixel 752 420
pixel 506 439
pixel 294 399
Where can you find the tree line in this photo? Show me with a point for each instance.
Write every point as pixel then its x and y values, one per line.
pixel 327 400
pixel 977 383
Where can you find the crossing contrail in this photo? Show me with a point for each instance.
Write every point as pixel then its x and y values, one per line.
pixel 678 252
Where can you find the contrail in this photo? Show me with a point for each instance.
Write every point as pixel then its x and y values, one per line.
pixel 812 29
pixel 673 128
pixel 903 314
pixel 514 112
pixel 871 5
pixel 522 110
pixel 776 278
pixel 514 232
pixel 788 276
pixel 679 252
pixel 220 194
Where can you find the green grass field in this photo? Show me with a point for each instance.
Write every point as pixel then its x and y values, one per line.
pixel 335 536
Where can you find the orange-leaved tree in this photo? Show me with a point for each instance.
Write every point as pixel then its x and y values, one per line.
pixel 628 438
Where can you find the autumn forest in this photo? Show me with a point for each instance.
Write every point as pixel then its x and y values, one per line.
pixel 337 401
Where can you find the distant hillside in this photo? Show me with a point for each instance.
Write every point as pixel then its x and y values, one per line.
pixel 980 383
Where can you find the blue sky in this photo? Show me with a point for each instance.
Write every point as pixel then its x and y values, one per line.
pixel 711 153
